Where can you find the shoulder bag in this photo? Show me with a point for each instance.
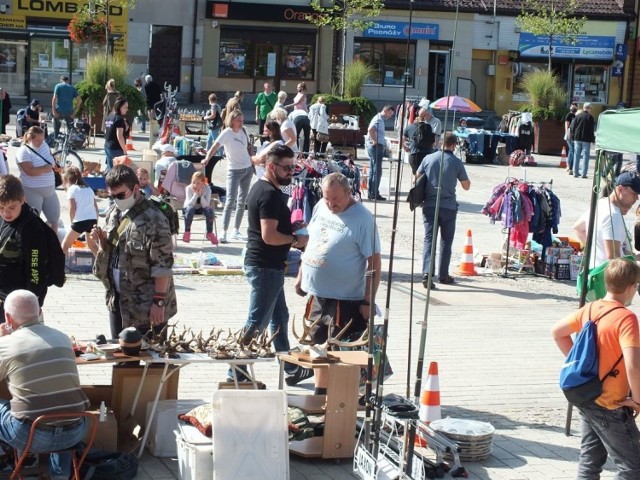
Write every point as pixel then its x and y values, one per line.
pixel 56 173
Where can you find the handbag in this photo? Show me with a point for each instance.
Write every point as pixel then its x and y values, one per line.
pixel 322 137
pixel 56 174
pixel 416 195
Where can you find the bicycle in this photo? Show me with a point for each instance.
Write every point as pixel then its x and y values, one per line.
pixel 65 155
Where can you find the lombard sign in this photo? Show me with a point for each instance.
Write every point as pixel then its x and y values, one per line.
pixel 400 30
pixel 586 47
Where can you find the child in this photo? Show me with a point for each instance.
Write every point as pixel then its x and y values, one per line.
pixel 23 244
pixel 198 199
pixel 83 208
pixel 145 185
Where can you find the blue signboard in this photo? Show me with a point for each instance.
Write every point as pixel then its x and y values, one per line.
pixel 400 30
pixel 618 65
pixel 590 47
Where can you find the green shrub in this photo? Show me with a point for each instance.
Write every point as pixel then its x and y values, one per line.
pixel 101 68
pixel 355 75
pixel 363 107
pixel 546 95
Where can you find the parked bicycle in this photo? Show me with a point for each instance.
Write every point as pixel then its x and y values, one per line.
pixel 65 154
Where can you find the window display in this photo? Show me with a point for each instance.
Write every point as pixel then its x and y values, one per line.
pixel 590 84
pixel 298 61
pixel 233 58
pixel 388 60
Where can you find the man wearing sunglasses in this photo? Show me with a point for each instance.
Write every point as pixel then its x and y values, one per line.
pixel 271 236
pixel 135 257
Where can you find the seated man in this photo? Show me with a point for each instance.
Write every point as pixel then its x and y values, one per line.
pixel 39 366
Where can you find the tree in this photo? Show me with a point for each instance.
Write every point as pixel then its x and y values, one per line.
pixel 555 19
pixel 342 15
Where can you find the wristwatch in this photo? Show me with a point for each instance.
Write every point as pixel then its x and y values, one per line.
pixel 160 302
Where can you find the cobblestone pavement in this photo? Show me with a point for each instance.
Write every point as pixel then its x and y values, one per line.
pixel 489 334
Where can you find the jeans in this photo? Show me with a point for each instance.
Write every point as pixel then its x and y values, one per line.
pixel 15 432
pixel 110 154
pixel 375 152
pixel 143 122
pixel 189 212
pixel 608 432
pixel 447 227
pixel 57 122
pixel 570 154
pixel 211 138
pixel 238 182
pixel 581 150
pixel 267 305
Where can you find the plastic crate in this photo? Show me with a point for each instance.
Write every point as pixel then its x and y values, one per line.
pixel 195 455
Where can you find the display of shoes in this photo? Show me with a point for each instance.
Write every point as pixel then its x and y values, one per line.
pixel 212 238
pixel 186 237
pixel 223 238
pixel 448 280
pixel 236 235
pixel 298 376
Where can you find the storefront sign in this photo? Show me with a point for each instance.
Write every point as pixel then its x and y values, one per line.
pixel 586 47
pixel 621 56
pixel 400 30
pixel 259 12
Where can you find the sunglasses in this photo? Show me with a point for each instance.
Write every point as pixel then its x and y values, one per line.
pixel 119 196
pixel 286 168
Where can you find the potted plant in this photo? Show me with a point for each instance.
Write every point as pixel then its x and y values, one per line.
pixel 547 100
pixel 101 68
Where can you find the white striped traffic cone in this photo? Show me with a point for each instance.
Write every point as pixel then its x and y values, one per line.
pixel 430 398
pixel 467 268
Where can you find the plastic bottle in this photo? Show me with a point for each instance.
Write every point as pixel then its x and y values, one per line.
pixel 103 412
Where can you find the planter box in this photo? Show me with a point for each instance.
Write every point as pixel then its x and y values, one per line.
pixel 548 137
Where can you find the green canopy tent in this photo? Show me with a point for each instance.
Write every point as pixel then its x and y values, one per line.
pixel 617 132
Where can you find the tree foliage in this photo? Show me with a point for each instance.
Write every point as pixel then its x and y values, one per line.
pixel 553 19
pixel 346 14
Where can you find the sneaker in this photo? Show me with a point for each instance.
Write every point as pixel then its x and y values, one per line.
pixel 186 237
pixel 212 238
pixel 299 375
pixel 448 280
pixel 223 238
pixel 381 198
pixel 236 235
pixel 425 280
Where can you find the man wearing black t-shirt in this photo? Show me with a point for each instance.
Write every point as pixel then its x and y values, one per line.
pixel 270 236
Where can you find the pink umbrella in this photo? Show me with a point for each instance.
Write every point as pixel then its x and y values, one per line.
pixel 457 104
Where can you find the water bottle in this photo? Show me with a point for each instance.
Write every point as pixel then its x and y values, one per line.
pixel 103 412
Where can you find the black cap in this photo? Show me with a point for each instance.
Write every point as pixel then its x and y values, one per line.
pixel 35 102
pixel 629 179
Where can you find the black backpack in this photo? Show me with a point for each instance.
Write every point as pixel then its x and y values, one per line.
pixel 54 256
pixel 423 137
pixel 216 122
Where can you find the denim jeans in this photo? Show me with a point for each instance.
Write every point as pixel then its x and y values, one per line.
pixel 189 212
pixel 238 183
pixel 608 432
pixel 15 432
pixel 447 227
pixel 57 122
pixel 110 154
pixel 211 139
pixel 375 152
pixel 267 306
pixel 570 154
pixel 581 150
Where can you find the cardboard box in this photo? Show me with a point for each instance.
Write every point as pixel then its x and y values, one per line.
pixel 195 454
pixel 79 260
pixel 161 442
pixel 107 433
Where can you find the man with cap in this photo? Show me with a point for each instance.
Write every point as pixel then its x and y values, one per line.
pixel 62 108
pixel 29 117
pixel 612 240
pixel 167 158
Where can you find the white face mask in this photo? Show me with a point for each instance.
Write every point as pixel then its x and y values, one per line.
pixel 125 204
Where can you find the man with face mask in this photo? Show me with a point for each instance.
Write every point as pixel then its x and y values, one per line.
pixel 271 236
pixel 608 424
pixel 135 257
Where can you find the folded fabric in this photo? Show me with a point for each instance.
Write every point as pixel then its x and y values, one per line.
pixel 201 418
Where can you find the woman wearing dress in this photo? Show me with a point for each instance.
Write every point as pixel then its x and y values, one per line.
pixel 235 141
pixel 36 163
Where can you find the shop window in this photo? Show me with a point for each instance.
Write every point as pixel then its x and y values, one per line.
pixel 388 59
pixel 235 58
pixel 297 61
pixel 519 70
pixel 590 84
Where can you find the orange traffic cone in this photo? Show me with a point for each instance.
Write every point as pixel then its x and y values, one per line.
pixel 430 399
pixel 364 179
pixel 467 268
pixel 129 144
pixel 563 158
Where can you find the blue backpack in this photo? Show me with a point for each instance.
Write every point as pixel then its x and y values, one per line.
pixel 579 378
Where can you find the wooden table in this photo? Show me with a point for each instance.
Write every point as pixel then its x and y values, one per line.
pixel 339 406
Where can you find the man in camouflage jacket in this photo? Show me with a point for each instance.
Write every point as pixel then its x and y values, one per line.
pixel 135 257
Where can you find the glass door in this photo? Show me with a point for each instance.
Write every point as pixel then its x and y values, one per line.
pixel 266 66
pixel 49 58
pixel 13 66
pixel 438 73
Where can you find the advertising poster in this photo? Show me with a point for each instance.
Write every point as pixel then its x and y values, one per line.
pixel 298 61
pixel 8 58
pixel 233 56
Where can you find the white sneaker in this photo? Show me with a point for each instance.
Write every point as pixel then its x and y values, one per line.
pixel 223 238
pixel 236 235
